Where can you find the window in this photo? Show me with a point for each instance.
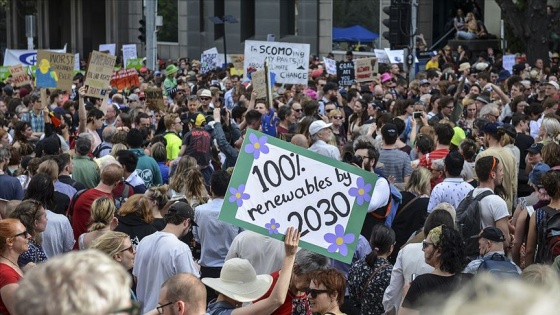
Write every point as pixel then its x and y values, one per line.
pixel 247 19
pixel 219 11
pixel 288 16
pixel 168 32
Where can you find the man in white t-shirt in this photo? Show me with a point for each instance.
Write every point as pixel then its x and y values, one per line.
pixel 493 208
pixel 162 255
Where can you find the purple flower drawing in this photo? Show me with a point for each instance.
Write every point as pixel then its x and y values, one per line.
pixel 272 227
pixel 361 191
pixel 238 195
pixel 339 240
pixel 257 146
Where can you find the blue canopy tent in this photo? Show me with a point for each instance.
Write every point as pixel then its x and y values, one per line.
pixel 354 33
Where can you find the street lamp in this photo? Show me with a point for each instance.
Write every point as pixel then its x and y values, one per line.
pixel 223 20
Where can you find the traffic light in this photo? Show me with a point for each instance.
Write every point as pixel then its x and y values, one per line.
pixel 142 30
pixel 398 23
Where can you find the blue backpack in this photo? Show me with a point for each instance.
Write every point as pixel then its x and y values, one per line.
pixel 498 265
pixel 389 211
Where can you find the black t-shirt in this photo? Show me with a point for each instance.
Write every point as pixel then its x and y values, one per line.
pixel 408 221
pixel 425 287
pixel 523 142
pixel 198 142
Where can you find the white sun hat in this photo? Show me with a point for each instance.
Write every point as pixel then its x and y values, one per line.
pixel 239 281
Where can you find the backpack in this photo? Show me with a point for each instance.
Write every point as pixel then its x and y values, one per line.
pixel 100 147
pixel 72 204
pixel 389 211
pixel 498 265
pixel 119 200
pixel 468 220
pixel 548 235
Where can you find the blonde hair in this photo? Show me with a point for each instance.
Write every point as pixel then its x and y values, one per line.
pixel 49 168
pixel 177 181
pixel 111 243
pixel 102 212
pixel 159 194
pixel 118 147
pixel 541 275
pixel 195 190
pixel 419 181
pixel 137 205
pixel 169 120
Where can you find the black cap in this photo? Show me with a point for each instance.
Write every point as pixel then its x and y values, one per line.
pixel 389 131
pixel 518 68
pixel 183 209
pixel 491 233
pixel 535 148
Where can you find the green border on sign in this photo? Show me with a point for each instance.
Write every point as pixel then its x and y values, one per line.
pixel 241 175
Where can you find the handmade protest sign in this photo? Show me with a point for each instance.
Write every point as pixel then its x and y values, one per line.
pixel 276 185
pixel 330 65
pixel 109 48
pixel 19 76
pixel 129 52
pixel 258 81
pixel 4 72
pixel 123 79
pixel 508 62
pixel 154 99
pixel 99 74
pixel 54 70
pixel 381 56
pixel 134 63
pixel 209 60
pixel 364 69
pixel 345 73
pixel 288 62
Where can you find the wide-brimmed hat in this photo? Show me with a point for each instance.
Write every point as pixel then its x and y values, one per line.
pixel 464 66
pixel 239 281
pixel 171 69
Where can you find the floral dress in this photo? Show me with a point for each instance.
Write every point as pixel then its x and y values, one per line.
pixel 369 299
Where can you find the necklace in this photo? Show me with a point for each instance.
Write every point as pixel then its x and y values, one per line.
pixel 9 260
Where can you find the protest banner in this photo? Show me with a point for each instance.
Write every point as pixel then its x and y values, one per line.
pixel 345 73
pixel 154 98
pixel 129 52
pixel 110 48
pixel 209 60
pixel 124 79
pixel 276 185
pixel 54 70
pixel 19 76
pixel 134 63
pixel 381 56
pixel 508 62
pixel 99 73
pixel 330 65
pixel 288 62
pixel 396 56
pixel 14 57
pixel 364 69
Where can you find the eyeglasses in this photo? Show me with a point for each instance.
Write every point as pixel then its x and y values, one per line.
pixel 131 249
pixel 134 309
pixel 25 234
pixel 425 244
pixel 297 110
pixel 160 308
pixel 313 292
pixel 337 117
pixel 205 98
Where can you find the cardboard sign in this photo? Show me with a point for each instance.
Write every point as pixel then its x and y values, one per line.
pixel 154 99
pixel 99 73
pixel 288 62
pixel 508 62
pixel 258 81
pixel 381 56
pixel 54 70
pixel 330 65
pixel 134 63
pixel 345 73
pixel 276 185
pixel 209 60
pixel 364 69
pixel 129 52
pixel 19 76
pixel 111 48
pixel 124 79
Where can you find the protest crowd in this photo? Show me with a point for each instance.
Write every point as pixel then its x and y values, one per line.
pixel 109 204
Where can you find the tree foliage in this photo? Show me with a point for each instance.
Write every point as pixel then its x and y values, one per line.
pixel 169 31
pixel 356 12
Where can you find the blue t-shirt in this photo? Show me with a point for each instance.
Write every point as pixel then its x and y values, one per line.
pixel 11 188
pixel 269 122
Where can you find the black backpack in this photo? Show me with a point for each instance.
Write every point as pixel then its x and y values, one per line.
pixel 498 265
pixel 468 221
pixel 100 147
pixel 548 235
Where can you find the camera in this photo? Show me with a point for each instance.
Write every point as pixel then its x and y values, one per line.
pixel 417 115
pixel 350 158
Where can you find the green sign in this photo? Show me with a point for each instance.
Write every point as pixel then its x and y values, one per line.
pixel 134 63
pixel 276 185
pixel 4 72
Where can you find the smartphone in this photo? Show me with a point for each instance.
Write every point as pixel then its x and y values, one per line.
pixel 417 115
pixel 413 277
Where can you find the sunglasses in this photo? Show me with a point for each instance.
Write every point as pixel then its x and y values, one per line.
pixel 425 244
pixel 130 249
pixel 25 234
pixel 313 292
pixel 337 117
pixel 205 98
pixel 298 110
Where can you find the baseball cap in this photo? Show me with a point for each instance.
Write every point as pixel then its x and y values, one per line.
pixel 538 171
pixel 317 126
pixel 389 131
pixel 535 148
pixel 518 68
pixel 433 53
pixel 206 93
pixel 197 119
pixel 483 99
pixel 423 82
pixel 183 209
pixel 133 97
pixel 491 233
pixel 458 136
pixel 554 84
pixel 491 128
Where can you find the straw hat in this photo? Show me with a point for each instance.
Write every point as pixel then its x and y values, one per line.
pixel 239 281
